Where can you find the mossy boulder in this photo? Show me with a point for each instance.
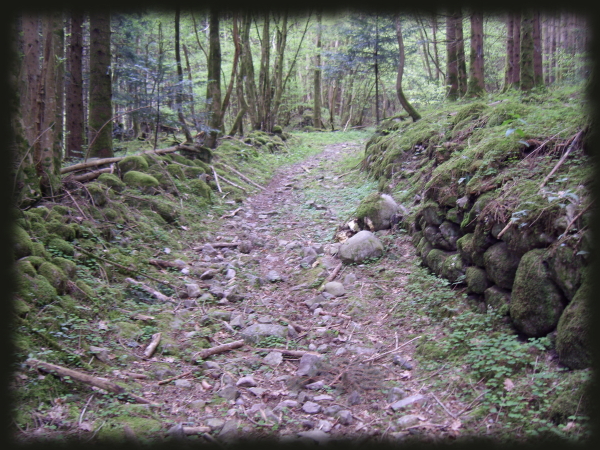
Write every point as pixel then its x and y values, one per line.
pixel 573 343
pixel 453 269
pixel 55 275
pixel 176 171
pixel 35 290
pixel 128 330
pixel 24 266
pixel 416 238
pixel 360 247
pixel 424 247
pixel 112 181
pixel 134 162
pixel 501 264
pixel 66 265
pixel 464 245
pixel 200 188
pixel 455 215
pixel 566 268
pixel 498 299
pixel 38 249
pixel 434 237
pixel 277 129
pixel 22 243
pixel 435 260
pixel 83 291
pixel 520 241
pixel 431 214
pixel 575 399
pixel 60 245
pixel 166 210
pixel 477 280
pixel 193 173
pixel 40 211
pixel 182 159
pixel 481 202
pixel 203 154
pixel 536 302
pixel 450 232
pixel 379 208
pixel 144 182
pixel 62 230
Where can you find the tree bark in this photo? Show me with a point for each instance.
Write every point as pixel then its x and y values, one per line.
pixel 317 122
pixel 234 70
pixel 278 81
pixel 403 101
pixel 100 102
pixel 248 69
pixel 264 81
pixel 74 89
pixel 476 86
pixel 460 54
pixel 451 59
pixel 213 87
pixel 179 91
pixel 527 74
pixel 538 65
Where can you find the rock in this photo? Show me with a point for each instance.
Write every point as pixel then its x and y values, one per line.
pixel 207 275
pixel 162 374
pixel 477 280
pixel 354 398
pixel 315 435
pixel 408 420
pixel 308 365
pixel 311 408
pixel 229 432
pixel 237 321
pixel 435 260
pixel 573 343
pixel 431 214
pixel 335 288
pixel 379 208
pixel 408 401
pixel 197 405
pixel 176 432
pixel 216 291
pixel 452 269
pixel 256 332
pixel 463 202
pixel 308 261
pixel 257 391
pixel 363 245
pixel 332 410
pixel 424 247
pixel 289 404
pixel 264 319
pixel 193 290
pixel 402 362
pixel 101 353
pixel 324 425
pixel 536 302
pixel 323 348
pixel 320 398
pixel 361 351
pixel 228 392
pixel 435 238
pixel 450 233
pixel 344 417
pixel 183 384
pixel 247 381
pixel 497 298
pixel 349 279
pixel 230 274
pixel 273 276
pixel 316 385
pixel 464 246
pixel 501 265
pixel 214 423
pixel 273 359
pixel 566 269
pixel 395 394
pixel 245 246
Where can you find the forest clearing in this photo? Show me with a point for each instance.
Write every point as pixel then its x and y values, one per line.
pixel 320 227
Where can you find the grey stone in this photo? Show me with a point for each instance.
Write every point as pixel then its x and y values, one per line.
pixel 193 290
pixel 257 391
pixel 197 405
pixel 260 330
pixel 229 393
pixel 273 359
pixel 402 362
pixel 320 398
pixel 380 209
pixel 273 276
pixel 335 288
pixel 230 274
pixel 230 430
pixel 316 385
pixel 162 374
pixel 332 410
pixel 237 321
pixel 315 435
pixel 311 408
pixel 308 261
pixel 308 365
pixel 408 420
pixel 247 381
pixel 354 398
pixel 264 319
pixel 344 417
pixel 323 348
pixel 324 425
pixel 395 394
pixel 363 245
pixel 183 383
pixel 210 273
pixel 289 404
pixel 408 401
pixel 245 246
pixel 349 279
pixel 214 423
pixel 361 350
pixel 501 265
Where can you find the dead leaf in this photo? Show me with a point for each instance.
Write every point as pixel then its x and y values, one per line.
pixel 85 426
pixel 455 425
pixel 102 325
pixel 569 426
pixel 406 375
pixel 508 384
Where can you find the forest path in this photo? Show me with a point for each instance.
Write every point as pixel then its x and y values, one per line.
pixel 365 381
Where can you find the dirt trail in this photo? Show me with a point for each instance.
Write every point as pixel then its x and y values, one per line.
pixel 366 369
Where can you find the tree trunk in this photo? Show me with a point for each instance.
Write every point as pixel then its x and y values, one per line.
pixel 278 81
pixel 234 70
pixel 436 60
pixel 451 59
pixel 537 50
pixel 476 78
pixel 317 122
pixel 527 78
pixel 213 86
pixel 264 81
pixel 403 101
pixel 191 86
pixel 248 69
pixel 74 89
pixel 460 54
pixel 179 90
pixel 516 50
pixel 100 102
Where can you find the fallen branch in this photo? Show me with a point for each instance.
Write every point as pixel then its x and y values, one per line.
pixel 223 244
pixel 505 229
pixel 574 219
pixel 443 406
pixel 296 327
pixel 334 273
pixel 76 204
pixel 168 380
pixel 561 160
pixel 83 378
pixel 375 358
pixel 216 179
pixel 243 177
pixel 231 214
pixel 231 183
pixel 328 313
pixel 150 291
pixel 165 264
pixel 195 430
pixel 92 175
pixel 153 344
pixel 283 351
pixel 219 349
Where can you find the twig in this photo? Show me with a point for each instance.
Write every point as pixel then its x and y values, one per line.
pixel 443 406
pixel 562 160
pixel 76 204
pixel 247 180
pixel 375 358
pixel 168 380
pixel 218 349
pixel 231 214
pixel 329 313
pixel 84 408
pixel 283 351
pixel 334 273
pixel 153 344
pixel 233 184
pixel 469 405
pixel 150 291
pixel 577 217
pixel 216 179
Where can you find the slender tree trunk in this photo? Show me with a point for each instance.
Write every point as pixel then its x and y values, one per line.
pixel 434 27
pixel 179 96
pixel 213 86
pixel 317 122
pixel 452 81
pixel 412 112
pixel 264 85
pixel 527 74
pixel 278 81
pixel 516 50
pixel 100 102
pixel 234 70
pixel 59 43
pixel 510 49
pixel 248 68
pixel 537 50
pixel 191 86
pixel 476 78
pixel 424 50
pixel 460 54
